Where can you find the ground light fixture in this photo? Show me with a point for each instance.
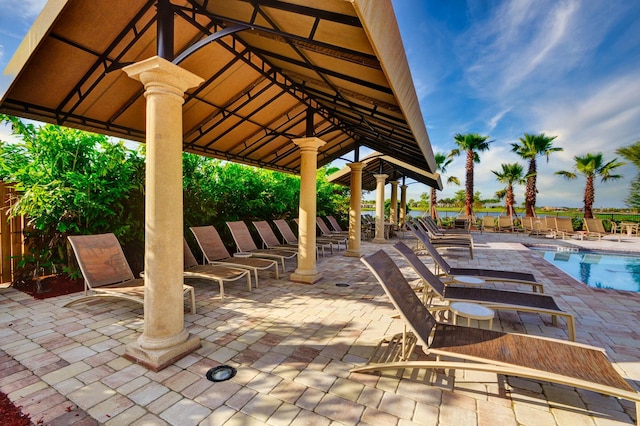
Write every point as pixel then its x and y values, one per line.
pixel 221 373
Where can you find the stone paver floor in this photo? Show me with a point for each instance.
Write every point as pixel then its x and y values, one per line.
pixel 293 346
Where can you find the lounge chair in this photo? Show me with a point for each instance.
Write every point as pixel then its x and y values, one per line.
pixel 488 275
pixel 595 228
pixel 433 228
pixel 291 239
pixel 245 244
pixel 215 253
pixel 219 273
pixel 270 241
pixel 564 227
pixel 442 242
pixel 517 355
pixel 491 298
pixel 107 273
pixel 505 224
pixel 488 224
pixel 326 234
pixel 337 229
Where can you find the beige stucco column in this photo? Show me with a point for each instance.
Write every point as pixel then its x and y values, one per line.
pixel 306 271
pixel 164 339
pixel 354 210
pixel 403 204
pixel 393 207
pixel 380 180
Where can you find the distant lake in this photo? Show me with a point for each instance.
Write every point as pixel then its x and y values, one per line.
pixel 419 213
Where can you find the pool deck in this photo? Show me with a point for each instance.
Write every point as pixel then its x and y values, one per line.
pixel 293 346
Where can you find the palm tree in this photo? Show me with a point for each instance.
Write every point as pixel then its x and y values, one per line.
pixel 632 154
pixel 529 148
pixel 512 173
pixel 590 166
pixel 442 162
pixel 471 143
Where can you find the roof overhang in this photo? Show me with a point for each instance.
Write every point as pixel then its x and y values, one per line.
pixel 395 169
pixel 273 71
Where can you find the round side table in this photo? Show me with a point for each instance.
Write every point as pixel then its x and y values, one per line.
pixel 471 311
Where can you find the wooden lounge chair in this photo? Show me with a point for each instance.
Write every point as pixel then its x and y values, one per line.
pixel 107 273
pixel 291 239
pixel 218 273
pixel 442 242
pixel 528 357
pixel 491 298
pixel 215 253
pixel 595 228
pixel 443 268
pixel 564 227
pixel 245 244
pixel 488 224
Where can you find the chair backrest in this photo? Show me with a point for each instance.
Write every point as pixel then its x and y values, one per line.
pixel 415 315
pixel 242 236
pixel 189 258
pixel 266 233
pixel 334 223
pixel 324 229
pixel 420 268
pixel 564 224
pixel 488 221
pixel 527 223
pixel 210 243
pixel 101 259
pixel 424 239
pixel 286 231
pixel 594 225
pixel 505 222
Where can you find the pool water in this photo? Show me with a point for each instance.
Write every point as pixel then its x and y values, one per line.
pixel 599 270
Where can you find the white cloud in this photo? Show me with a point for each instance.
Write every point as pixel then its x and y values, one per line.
pixel 25 9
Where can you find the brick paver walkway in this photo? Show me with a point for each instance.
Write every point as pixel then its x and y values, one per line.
pixel 293 346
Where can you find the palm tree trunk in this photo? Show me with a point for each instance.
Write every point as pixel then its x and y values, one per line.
pixel 434 204
pixel 589 198
pixel 468 199
pixel 530 192
pixel 510 201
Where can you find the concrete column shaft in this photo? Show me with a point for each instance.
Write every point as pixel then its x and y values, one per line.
pixel 380 180
pixel 403 204
pixel 393 208
pixel 355 202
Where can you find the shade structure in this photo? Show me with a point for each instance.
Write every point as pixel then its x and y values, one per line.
pixel 378 163
pixel 273 71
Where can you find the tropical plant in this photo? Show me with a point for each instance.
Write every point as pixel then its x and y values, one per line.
pixel 71 182
pixel 442 162
pixel 591 166
pixel 632 154
pixel 471 143
pixel 529 148
pixel 512 173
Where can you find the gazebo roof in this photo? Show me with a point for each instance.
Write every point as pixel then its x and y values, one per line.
pixel 378 163
pixel 271 63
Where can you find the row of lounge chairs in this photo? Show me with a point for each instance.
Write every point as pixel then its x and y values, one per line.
pixel 453 347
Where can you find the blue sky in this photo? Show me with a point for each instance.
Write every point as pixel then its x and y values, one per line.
pixel 569 68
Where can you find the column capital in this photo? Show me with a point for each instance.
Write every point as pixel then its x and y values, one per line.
pixel 356 167
pixel 382 177
pixel 159 71
pixel 309 144
pixel 394 182
pixel 403 187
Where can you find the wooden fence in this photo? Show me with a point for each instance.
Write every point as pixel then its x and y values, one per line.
pixel 12 246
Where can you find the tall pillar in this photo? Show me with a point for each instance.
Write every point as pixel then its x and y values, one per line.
pixel 306 271
pixel 164 339
pixel 380 180
pixel 403 204
pixel 355 203
pixel 393 207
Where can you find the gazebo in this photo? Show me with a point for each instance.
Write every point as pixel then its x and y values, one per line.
pixel 283 85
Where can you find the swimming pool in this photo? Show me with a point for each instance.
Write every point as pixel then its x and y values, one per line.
pixel 618 271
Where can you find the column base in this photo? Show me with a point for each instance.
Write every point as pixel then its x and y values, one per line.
pixel 379 241
pixel 353 253
pixel 158 359
pixel 305 278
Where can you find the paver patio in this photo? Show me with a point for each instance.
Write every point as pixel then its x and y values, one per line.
pixel 293 346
